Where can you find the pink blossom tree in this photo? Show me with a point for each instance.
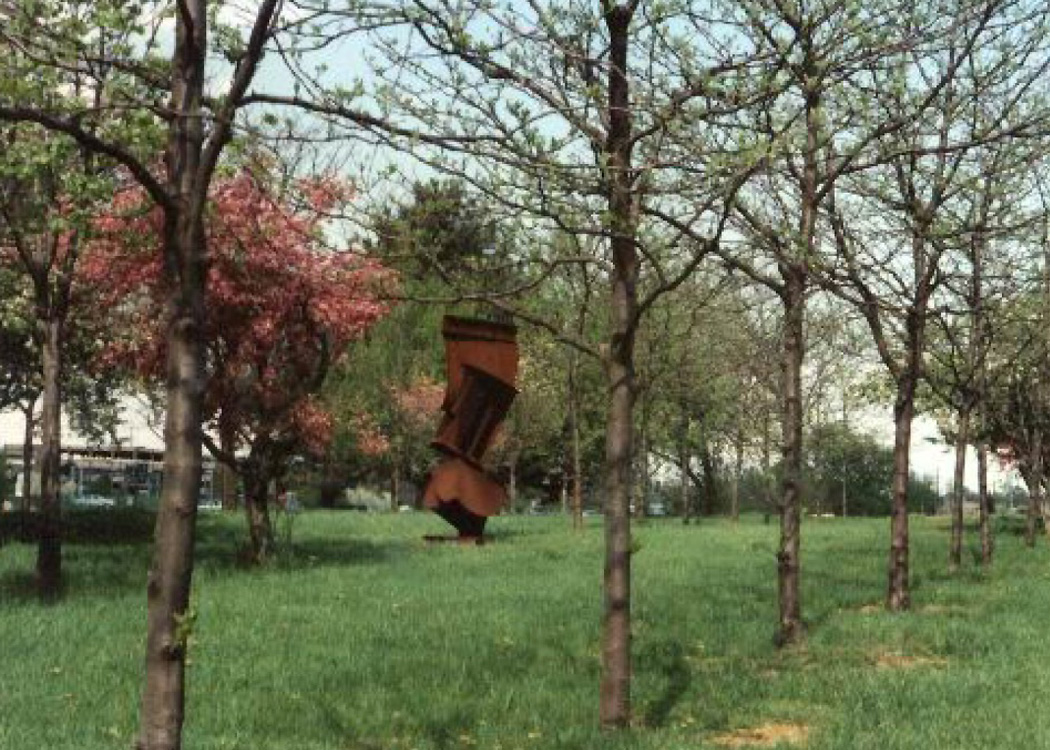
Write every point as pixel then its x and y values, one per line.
pixel 282 307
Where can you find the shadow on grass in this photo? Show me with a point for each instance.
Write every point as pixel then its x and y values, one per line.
pixel 118 526
pixel 667 658
pixel 441 733
pixel 107 552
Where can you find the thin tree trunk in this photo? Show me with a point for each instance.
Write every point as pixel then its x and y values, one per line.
pixel 616 626
pixel 228 486
pixel 789 625
pixel 395 486
pixel 27 457
pixel 1035 485
pixel 738 470
pixel 512 484
pixel 574 442
pixel 227 473
pixel 845 468
pixel 898 596
pixel 685 482
pixel 169 621
pixel 962 439
pixel 49 544
pixel 577 476
pixel 987 541
pixel 168 590
pixel 1044 508
pixel 256 508
pixel 641 500
pixel 190 166
pixel 615 694
pixel 712 497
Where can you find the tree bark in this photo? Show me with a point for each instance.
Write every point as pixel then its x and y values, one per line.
pixel 738 470
pixel 49 542
pixel 512 483
pixel 615 695
pixel 227 473
pixel 898 595
pixel 395 485
pixel 168 588
pixel 27 458
pixel 641 500
pixel 169 620
pixel 574 439
pixel 987 541
pixel 1034 480
pixel 962 439
pixel 789 624
pixel 256 508
pixel 685 481
pixel 712 497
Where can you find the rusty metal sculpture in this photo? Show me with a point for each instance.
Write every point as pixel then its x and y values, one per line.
pixel 482 366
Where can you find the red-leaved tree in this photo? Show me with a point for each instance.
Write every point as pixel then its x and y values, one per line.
pixel 282 306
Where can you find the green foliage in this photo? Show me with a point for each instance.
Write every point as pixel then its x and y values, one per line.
pixel 440 232
pixel 840 460
pixel 923 496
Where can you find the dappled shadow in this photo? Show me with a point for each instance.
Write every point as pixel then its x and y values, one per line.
pixel 84 526
pixel 441 733
pixel 106 553
pixel 667 658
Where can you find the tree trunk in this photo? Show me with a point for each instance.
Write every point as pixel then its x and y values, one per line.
pixel 962 439
pixel 228 486
pixel 615 702
pixel 685 505
pixel 395 486
pixel 1034 480
pixel 577 478
pixel 27 458
pixel 738 470
pixel 898 596
pixel 49 543
pixel 227 473
pixel 168 590
pixel 789 625
pixel 616 626
pixel 189 167
pixel 512 483
pixel 574 440
pixel 256 508
pixel 987 542
pixel 169 620
pixel 641 499
pixel 712 498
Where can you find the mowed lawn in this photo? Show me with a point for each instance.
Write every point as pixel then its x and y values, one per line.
pixel 365 638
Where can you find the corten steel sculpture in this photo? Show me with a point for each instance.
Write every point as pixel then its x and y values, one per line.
pixel 481 357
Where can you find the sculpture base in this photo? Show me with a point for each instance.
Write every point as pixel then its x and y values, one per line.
pixel 463 520
pixel 463 541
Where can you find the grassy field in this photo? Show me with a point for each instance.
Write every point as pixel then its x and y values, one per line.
pixel 364 638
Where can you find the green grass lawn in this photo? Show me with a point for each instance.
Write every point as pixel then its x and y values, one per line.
pixel 365 638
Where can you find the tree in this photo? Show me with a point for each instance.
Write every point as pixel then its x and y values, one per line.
pixel 991 223
pixel 281 308
pixel 543 109
pixel 842 462
pixel 19 365
pixel 896 241
pixel 47 36
pixel 827 60
pixel 42 211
